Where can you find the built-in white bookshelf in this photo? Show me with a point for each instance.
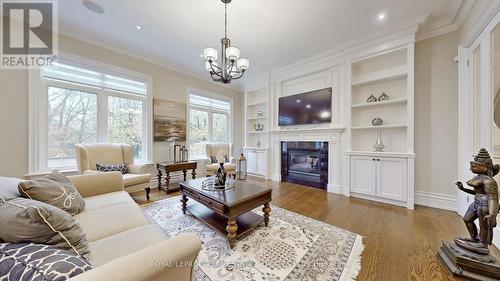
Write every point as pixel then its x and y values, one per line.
pixel 385 176
pixel 256 112
pixel 382 73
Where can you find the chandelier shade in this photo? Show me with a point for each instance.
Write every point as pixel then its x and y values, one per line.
pixel 231 66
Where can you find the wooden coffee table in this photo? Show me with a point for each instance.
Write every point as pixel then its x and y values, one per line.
pixel 227 211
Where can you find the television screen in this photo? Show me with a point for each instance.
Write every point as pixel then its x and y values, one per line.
pixel 308 108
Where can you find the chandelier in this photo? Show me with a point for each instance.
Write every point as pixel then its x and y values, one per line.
pixel 231 65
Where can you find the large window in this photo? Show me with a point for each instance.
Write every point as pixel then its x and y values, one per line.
pixel 209 121
pixel 82 105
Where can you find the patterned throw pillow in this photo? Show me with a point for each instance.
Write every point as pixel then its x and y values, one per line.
pixel 25 261
pixel 213 159
pixel 119 167
pixel 54 189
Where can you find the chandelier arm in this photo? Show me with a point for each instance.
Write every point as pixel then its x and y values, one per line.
pixel 238 77
pixel 217 76
pixel 217 69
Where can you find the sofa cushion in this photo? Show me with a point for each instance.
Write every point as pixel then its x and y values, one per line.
pixel 116 167
pixel 26 220
pixel 107 200
pixel 104 222
pixel 27 261
pixel 124 243
pixel 133 179
pixel 8 188
pixel 54 189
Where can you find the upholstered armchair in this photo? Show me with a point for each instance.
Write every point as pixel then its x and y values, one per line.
pixel 137 177
pixel 215 150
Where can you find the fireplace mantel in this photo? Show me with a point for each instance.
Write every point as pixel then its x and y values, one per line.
pixel 331 134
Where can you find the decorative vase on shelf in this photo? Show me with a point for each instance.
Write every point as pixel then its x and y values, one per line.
pixel 377 121
pixel 379 145
pixel 371 98
pixel 383 97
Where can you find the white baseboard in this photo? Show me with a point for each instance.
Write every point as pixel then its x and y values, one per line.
pixel 436 200
pixel 338 189
pixel 276 177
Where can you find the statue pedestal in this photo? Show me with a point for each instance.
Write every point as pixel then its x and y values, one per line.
pixel 468 265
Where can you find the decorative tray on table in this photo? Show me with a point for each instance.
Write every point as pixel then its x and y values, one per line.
pixel 212 185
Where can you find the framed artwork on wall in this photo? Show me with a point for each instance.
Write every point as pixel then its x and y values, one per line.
pixel 169 120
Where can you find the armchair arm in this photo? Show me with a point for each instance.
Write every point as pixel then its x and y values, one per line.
pixel 171 260
pixel 92 184
pixel 207 161
pixel 147 168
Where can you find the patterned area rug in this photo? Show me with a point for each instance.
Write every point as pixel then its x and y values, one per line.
pixel 294 247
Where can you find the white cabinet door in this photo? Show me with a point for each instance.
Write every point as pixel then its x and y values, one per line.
pixel 251 161
pixel 391 178
pixel 363 175
pixel 262 163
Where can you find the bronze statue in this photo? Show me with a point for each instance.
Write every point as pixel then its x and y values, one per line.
pixel 470 258
pixel 485 205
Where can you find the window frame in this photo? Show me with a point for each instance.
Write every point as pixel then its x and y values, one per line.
pixel 210 111
pixel 38 109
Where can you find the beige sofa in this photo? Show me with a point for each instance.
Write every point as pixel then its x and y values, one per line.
pixel 138 176
pixel 215 150
pixel 124 246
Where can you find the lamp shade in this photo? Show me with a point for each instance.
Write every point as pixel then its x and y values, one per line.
pixel 232 71
pixel 232 53
pixel 210 54
pixel 214 65
pixel 243 64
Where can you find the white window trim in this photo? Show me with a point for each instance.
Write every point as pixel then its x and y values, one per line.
pixel 203 93
pixel 37 105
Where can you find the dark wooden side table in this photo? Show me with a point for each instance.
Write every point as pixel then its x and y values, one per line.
pixel 166 168
pixel 228 211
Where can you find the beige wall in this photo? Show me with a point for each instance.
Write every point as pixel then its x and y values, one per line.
pixel 436 113
pixel 167 84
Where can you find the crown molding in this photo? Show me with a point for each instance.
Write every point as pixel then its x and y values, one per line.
pixel 72 32
pixel 453 21
pixel 481 22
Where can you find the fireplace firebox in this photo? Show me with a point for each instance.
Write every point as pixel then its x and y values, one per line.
pixel 305 163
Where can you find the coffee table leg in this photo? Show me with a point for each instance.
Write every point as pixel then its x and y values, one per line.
pixel 184 200
pixel 231 228
pixel 193 174
pixel 267 213
pixel 159 179
pixel 148 190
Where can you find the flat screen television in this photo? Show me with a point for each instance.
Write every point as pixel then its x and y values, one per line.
pixel 308 108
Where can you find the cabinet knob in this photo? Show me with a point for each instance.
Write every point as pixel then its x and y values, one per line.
pixel 378 159
pixel 373 159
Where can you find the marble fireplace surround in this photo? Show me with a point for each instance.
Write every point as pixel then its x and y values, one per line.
pixel 336 159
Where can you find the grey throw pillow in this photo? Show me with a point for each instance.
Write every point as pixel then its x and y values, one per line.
pixel 27 261
pixel 8 188
pixel 25 220
pixel 54 189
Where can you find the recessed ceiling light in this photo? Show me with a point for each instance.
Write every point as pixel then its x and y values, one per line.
pixel 298 101
pixel 138 27
pixel 308 106
pixel 93 6
pixel 381 16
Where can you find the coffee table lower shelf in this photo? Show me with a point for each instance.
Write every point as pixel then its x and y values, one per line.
pixel 245 221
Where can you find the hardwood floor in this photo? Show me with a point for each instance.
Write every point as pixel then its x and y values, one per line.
pixel 399 244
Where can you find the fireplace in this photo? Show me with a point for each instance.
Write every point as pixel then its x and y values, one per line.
pixel 305 163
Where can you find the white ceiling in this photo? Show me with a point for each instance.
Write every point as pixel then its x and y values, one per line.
pixel 271 33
